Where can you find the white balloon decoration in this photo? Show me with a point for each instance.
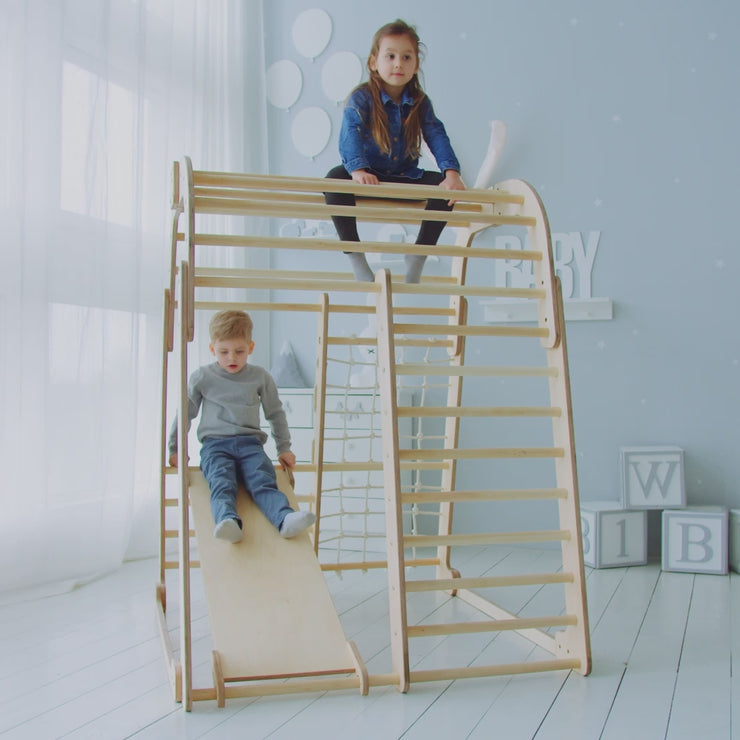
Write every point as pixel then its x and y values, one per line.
pixel 341 73
pixel 284 83
pixel 311 131
pixel 311 32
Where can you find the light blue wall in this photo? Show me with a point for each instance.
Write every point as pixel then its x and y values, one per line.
pixel 624 117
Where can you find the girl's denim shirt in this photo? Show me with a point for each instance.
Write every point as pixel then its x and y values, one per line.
pixel 359 150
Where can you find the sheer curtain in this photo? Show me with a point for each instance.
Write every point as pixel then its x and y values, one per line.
pixel 98 98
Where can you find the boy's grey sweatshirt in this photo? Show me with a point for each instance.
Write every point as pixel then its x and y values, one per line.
pixel 229 405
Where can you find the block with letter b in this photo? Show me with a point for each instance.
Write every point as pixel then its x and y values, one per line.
pixel 612 536
pixel 652 478
pixel 696 540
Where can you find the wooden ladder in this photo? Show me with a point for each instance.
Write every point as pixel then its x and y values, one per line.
pixel 565 634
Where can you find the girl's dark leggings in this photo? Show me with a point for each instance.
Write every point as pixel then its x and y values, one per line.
pixel 346 226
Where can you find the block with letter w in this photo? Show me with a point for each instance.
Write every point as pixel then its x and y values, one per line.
pixel 652 478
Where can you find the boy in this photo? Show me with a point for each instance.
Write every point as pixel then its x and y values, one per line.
pixel 230 393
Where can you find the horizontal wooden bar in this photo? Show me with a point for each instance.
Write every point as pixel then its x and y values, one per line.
pixel 372 342
pixel 478 411
pixel 513 494
pixel 496 625
pixel 289 197
pixel 375 564
pixel 470 331
pixel 430 285
pixel 502 669
pixel 429 369
pixel 369 466
pixel 257 306
pixel 452 584
pixel 256 207
pixel 174 564
pixel 489 538
pixel 335 245
pixel 480 453
pixel 173 534
pixel 203 178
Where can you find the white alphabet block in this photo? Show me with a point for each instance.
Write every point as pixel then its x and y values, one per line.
pixel 612 536
pixel 652 478
pixel 735 540
pixel 696 539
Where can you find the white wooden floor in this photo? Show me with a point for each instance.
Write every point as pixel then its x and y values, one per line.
pixel 88 664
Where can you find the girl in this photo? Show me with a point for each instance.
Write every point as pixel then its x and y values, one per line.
pixel 384 122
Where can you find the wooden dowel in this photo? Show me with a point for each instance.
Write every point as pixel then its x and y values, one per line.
pixel 481 453
pixel 496 625
pixel 282 284
pixel 255 306
pixel 319 185
pixel 479 411
pixel 369 466
pixel 437 280
pixel 334 245
pixel 452 584
pixel 489 538
pixel 471 370
pixel 503 669
pixel 251 207
pixel 513 494
pixel 470 331
pixel 375 564
pixel 282 198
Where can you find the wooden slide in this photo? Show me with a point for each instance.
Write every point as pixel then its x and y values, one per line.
pixel 270 609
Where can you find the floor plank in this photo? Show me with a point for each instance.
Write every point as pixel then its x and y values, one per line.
pixel 88 663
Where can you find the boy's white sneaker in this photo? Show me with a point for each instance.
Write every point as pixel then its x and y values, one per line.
pixel 229 530
pixel 295 522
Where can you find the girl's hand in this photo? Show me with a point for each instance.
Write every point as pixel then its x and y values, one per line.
pixel 364 177
pixel 452 181
pixel 287 460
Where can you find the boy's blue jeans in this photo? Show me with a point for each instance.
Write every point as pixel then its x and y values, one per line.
pixel 227 460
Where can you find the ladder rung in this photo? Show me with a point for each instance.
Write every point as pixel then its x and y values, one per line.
pixel 464 370
pixel 384 214
pixel 174 564
pixel 489 538
pixel 235 180
pixel 372 465
pixel 494 625
pixel 513 494
pixel 462 411
pixel 174 533
pixel 481 452
pixel 452 584
pixel 453 330
pixel 503 669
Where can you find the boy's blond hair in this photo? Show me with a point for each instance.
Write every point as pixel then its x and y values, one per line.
pixel 230 325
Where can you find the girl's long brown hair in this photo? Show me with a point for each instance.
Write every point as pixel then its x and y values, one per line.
pixel 379 119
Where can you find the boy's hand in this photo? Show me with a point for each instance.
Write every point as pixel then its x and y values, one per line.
pixel 287 460
pixel 173 459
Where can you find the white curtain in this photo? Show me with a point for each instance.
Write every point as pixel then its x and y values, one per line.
pixel 97 99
